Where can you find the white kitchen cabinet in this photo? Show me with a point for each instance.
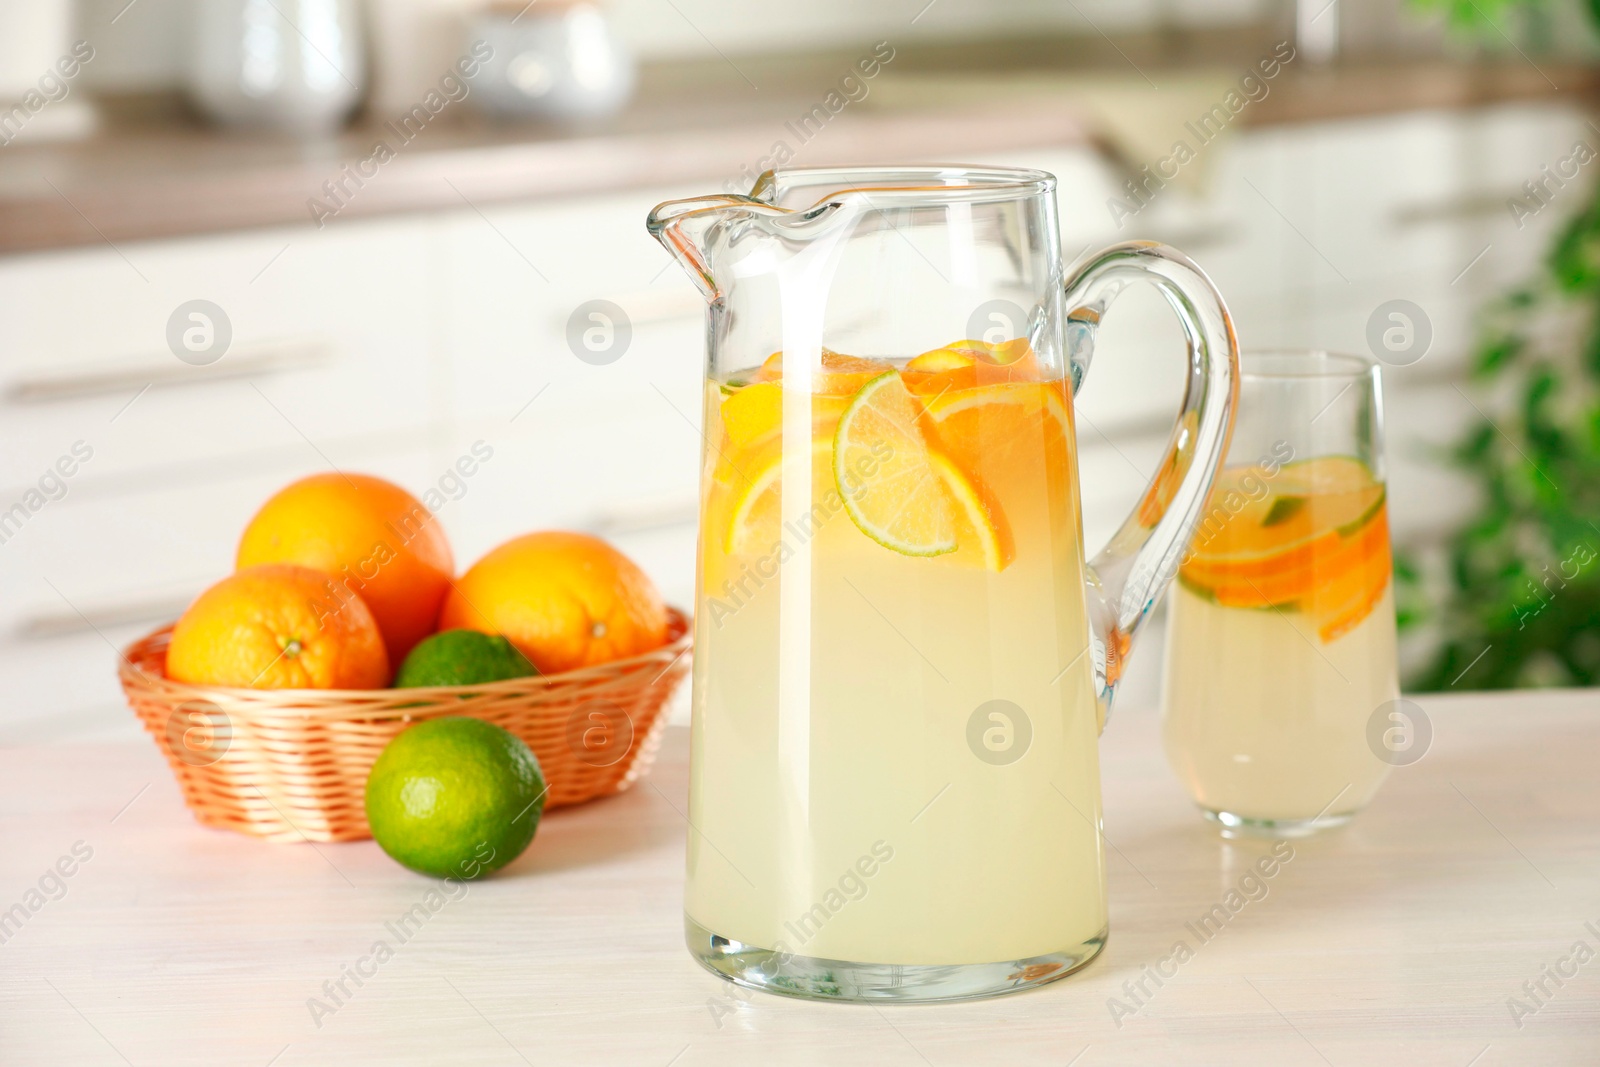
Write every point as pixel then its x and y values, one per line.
pixel 1415 207
pixel 517 275
pixel 609 446
pixel 332 336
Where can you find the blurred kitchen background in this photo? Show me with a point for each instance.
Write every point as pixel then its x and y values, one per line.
pixel 242 240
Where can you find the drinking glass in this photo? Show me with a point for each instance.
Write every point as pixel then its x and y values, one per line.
pixel 1281 629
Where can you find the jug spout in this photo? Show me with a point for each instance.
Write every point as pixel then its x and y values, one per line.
pixel 683 228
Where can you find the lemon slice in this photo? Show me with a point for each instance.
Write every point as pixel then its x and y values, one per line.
pixel 755 523
pixel 886 475
pixel 752 413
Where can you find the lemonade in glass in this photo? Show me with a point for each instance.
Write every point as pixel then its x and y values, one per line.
pixel 933 547
pixel 1281 644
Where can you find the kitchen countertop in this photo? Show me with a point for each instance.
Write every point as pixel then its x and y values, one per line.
pixel 1398 939
pixel 156 172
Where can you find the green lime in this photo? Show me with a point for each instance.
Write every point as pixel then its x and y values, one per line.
pixel 455 797
pixel 462 657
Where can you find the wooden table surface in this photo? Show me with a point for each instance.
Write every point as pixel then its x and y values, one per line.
pixel 1400 939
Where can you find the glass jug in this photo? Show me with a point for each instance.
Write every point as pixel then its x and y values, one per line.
pixel 902 660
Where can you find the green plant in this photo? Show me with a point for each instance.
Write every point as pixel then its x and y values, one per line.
pixel 1521 603
pixel 1477 16
pixel 1522 606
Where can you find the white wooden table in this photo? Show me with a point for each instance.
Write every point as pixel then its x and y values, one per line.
pixel 1399 939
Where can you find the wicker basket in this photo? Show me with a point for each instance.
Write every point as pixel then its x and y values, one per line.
pixel 292 764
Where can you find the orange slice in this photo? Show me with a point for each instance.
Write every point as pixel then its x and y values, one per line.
pixel 980 525
pixel 940 360
pixel 1356 582
pixel 1006 402
pixel 966 364
pixel 840 375
pixel 1317 541
pixel 1012 437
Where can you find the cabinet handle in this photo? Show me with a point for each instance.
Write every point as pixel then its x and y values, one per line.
pixel 97 379
pixel 1468 208
pixel 662 514
pixel 647 306
pixel 44 625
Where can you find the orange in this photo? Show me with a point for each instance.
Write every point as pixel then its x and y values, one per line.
pixel 375 539
pixel 566 600
pixel 278 626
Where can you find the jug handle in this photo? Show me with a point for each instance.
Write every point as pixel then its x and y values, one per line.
pixel 1126 578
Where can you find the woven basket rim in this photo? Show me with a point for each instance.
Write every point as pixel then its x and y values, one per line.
pixel 131 672
pixel 295 762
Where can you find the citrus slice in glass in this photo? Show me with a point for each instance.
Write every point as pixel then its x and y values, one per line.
pixel 1014 438
pixel 965 364
pixel 981 526
pixel 837 375
pixel 1315 536
pixel 1354 583
pixel 884 472
pixel 755 519
pixel 1259 525
pixel 753 414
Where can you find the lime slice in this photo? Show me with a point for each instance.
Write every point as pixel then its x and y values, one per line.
pixel 886 476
